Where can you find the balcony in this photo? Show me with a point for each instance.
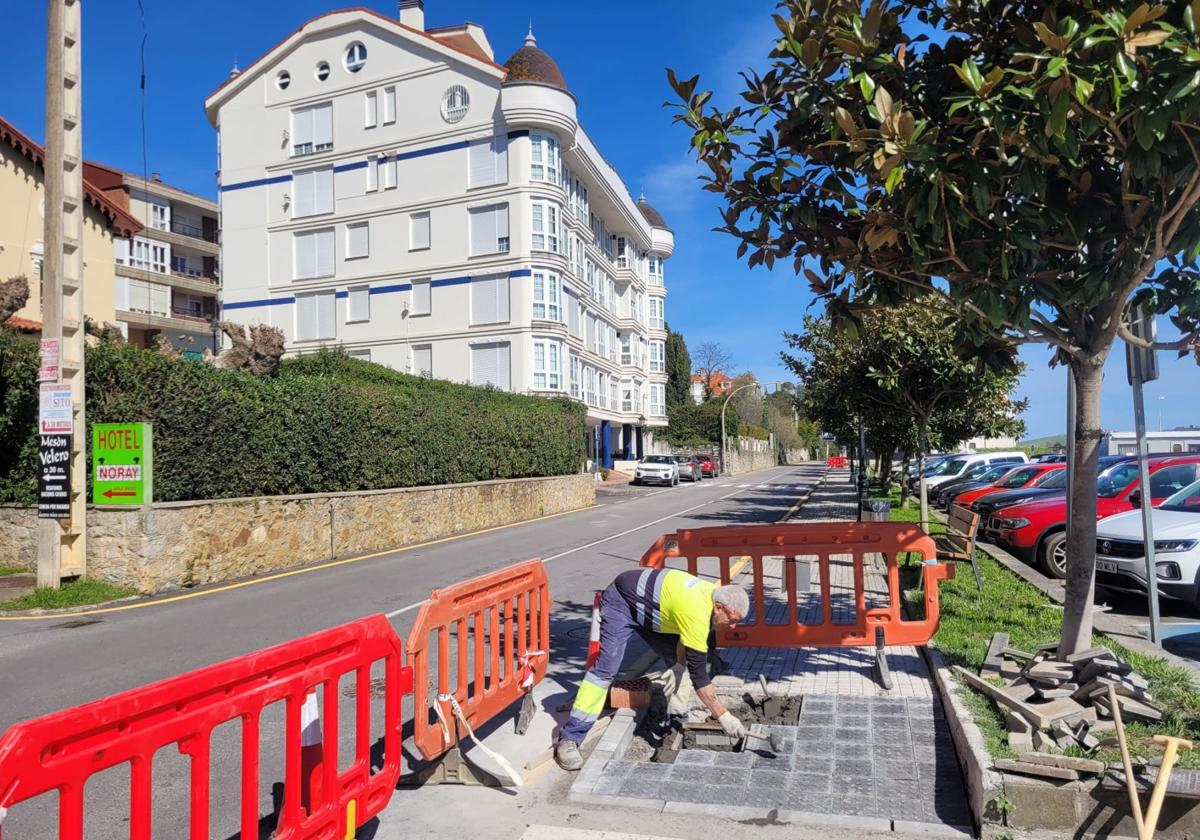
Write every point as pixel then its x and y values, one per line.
pixel 184 229
pixel 189 280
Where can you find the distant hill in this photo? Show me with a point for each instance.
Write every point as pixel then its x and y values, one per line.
pixel 1047 442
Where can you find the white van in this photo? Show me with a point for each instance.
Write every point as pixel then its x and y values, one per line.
pixel 952 468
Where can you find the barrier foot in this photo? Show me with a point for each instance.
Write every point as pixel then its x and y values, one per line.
pixel 452 769
pixel 881 663
pixel 528 709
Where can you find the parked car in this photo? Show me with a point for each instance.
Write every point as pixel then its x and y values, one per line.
pixel 932 463
pixel 1055 484
pixel 689 467
pixel 1050 458
pixel 955 467
pixel 708 467
pixel 657 469
pixel 1037 529
pixel 1121 548
pixel 980 475
pixel 1016 478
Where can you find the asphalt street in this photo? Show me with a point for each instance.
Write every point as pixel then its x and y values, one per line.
pixel 53 663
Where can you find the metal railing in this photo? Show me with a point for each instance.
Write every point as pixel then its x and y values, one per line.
pixel 184 229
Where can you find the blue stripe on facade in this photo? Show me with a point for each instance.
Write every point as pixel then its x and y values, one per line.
pixel 261 182
pixel 343 294
pixel 432 150
pixel 399 287
pixel 521 272
pixel 520 132
pixel 450 281
pixel 347 167
pixel 250 304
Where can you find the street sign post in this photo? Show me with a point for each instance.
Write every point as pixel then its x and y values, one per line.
pixel 1142 366
pixel 122 464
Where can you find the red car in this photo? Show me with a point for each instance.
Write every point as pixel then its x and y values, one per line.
pixel 1030 475
pixel 708 468
pixel 1037 529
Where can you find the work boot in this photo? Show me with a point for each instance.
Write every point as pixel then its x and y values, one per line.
pixel 566 753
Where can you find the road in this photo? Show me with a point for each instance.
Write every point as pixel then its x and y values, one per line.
pixel 48 664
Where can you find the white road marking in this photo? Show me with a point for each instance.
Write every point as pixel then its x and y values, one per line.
pixel 595 543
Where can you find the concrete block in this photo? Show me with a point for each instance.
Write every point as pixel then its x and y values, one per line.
pixel 1041 804
pixel 618 801
pixel 706 757
pixel 927 829
pixel 732 812
pixel 1031 769
pixel 1083 765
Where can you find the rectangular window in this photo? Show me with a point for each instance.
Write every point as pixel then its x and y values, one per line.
pixel 316 316
pixel 387 166
pixel 543 157
pixel 589 385
pixel 372 174
pixel 421 297
pixel 357 241
pixel 656 313
pixel 372 110
pixel 364 355
pixel 423 361
pixel 658 399
pixel 490 365
pixel 312 129
pixel 418 231
pixel 489 229
pixel 658 357
pixel 489 300
pixel 358 304
pixel 654 270
pixel 546 291
pixel 488 162
pixel 574 376
pixel 614 393
pixel 545 226
pixel 159 218
pixel 313 254
pixel 573 316
pixel 389 105
pixel 626 349
pixel 312 192
pixel 547 372
pixel 602 390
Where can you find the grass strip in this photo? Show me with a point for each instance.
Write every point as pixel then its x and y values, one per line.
pixel 73 593
pixel 5 571
pixel 1012 605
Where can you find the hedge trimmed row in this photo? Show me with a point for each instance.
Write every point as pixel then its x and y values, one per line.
pixel 327 423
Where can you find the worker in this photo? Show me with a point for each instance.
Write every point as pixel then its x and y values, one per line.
pixel 670 610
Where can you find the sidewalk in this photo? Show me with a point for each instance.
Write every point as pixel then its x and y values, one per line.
pixel 861 755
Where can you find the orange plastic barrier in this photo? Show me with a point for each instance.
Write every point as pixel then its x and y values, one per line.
pixel 809 545
pixel 61 751
pixel 508 614
pixel 836 462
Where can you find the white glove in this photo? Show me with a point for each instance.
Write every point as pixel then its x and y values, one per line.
pixel 733 727
pixel 672 678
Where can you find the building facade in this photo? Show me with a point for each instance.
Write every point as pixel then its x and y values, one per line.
pixel 22 218
pixel 393 190
pixel 719 384
pixel 167 279
pixel 1182 440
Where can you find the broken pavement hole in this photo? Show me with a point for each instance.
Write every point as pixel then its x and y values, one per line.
pixel 659 737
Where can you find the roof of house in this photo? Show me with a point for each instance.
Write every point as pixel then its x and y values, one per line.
pixel 652 216
pixel 24 324
pixel 716 380
pixel 449 41
pixel 123 223
pixel 533 64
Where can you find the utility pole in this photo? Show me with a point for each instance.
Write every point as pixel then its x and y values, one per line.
pixel 62 541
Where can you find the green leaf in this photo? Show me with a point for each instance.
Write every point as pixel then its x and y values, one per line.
pixel 893 179
pixel 1083 89
pixel 867 85
pixel 973 74
pixel 1184 87
pixel 1058 116
pixel 1127 68
pixel 1055 67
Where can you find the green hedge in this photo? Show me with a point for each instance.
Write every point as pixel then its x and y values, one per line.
pixel 327 423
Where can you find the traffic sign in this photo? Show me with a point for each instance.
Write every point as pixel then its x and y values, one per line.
pixel 122 464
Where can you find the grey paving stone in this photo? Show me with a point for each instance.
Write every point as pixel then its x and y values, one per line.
pixel 648 772
pixel 852 785
pixel 681 792
pixel 853 736
pixel 647 788
pixel 822 749
pixel 735 777
pixel 769 778
pixel 695 757
pixel 893 752
pixel 849 768
pixel 742 759
pixel 724 794
pixel 773 761
pixel 694 773
pixel 761 797
pixel 611 786
pixel 816 718
pixel 813 801
pixel 855 806
pixel 817 783
pixel 814 764
pixel 896 771
pixel 904 808
pixel 814 733
pixel 844 721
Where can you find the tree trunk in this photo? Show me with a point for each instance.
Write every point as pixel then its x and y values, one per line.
pixel 922 433
pixel 1081 549
pixel 885 474
pixel 904 476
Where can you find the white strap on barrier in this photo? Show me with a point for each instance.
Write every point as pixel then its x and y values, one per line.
pixel 310 721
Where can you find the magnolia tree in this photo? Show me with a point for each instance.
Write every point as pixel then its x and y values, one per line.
pixel 899 372
pixel 1033 165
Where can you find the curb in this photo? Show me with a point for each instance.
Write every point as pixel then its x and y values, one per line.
pixel 802 499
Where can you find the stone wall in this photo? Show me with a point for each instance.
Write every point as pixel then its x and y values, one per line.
pixel 18 537
pixel 177 544
pixel 749 454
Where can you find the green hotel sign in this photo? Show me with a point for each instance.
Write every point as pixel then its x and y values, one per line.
pixel 122 464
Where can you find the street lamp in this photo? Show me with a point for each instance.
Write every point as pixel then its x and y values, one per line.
pixel 724 405
pixel 1160 413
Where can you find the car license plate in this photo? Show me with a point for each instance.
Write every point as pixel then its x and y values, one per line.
pixel 1107 566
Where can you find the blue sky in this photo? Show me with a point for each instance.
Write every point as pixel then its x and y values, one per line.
pixel 613 56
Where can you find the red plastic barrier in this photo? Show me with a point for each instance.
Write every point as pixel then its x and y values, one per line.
pixel 798 545
pixel 500 677
pixel 62 750
pixel 836 462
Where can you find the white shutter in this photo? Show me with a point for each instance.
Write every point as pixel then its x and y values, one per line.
pixel 372 174
pixel 322 129
pixel 421 297
pixel 483 230
pixel 358 241
pixel 419 231
pixel 372 115
pixel 303 197
pixel 358 304
pixel 306 256
pixel 306 317
pixel 503 365
pixel 502 298
pixel 324 253
pixel 389 173
pixel 483 300
pixel 389 105
pixel 484 364
pixel 302 127
pixel 423 361
pixel 500 156
pixel 482 165
pixel 323 190
pixel 160 299
pixel 326 315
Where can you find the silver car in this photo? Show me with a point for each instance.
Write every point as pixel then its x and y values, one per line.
pixel 689 468
pixel 657 469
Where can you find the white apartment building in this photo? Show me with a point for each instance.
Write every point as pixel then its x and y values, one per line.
pixel 393 190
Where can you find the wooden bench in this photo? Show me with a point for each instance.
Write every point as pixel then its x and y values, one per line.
pixel 958 543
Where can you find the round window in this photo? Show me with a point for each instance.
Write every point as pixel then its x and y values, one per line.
pixel 356 57
pixel 283 80
pixel 322 71
pixel 455 104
